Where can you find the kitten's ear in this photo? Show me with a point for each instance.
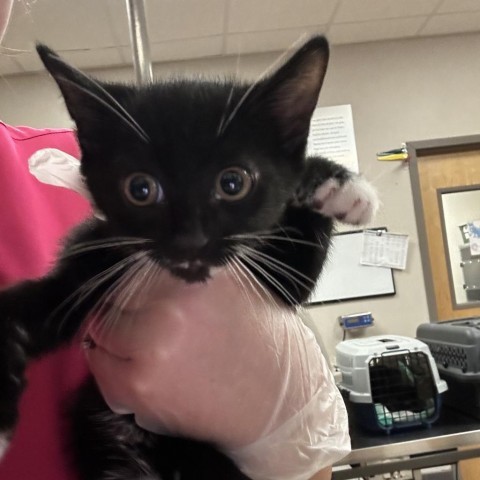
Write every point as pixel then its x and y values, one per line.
pixel 89 103
pixel 291 93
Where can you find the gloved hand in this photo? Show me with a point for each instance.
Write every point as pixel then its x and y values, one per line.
pixel 227 364
pixel 216 361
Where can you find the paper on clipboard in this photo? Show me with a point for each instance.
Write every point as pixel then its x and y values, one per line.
pixel 383 249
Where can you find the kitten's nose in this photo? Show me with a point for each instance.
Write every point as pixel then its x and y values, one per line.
pixel 190 243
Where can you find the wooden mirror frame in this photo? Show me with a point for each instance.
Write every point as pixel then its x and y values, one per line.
pixel 428 157
pixel 450 262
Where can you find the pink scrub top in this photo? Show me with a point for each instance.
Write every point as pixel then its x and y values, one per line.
pixel 33 219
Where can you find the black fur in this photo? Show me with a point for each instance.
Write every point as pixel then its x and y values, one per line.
pixel 185 132
pixel 102 435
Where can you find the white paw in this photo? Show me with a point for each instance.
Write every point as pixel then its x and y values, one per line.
pixel 355 202
pixel 4 442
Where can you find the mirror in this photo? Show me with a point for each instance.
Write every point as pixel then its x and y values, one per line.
pixel 460 215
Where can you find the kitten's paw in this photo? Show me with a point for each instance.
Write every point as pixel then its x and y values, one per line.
pixel 354 201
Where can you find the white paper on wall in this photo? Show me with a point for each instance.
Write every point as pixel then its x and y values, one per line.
pixel 332 135
pixel 384 249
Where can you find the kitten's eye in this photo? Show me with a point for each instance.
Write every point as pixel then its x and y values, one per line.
pixel 142 189
pixel 233 183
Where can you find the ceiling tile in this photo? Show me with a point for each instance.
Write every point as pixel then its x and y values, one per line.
pixel 118 21
pixel 374 30
pixel 182 49
pixel 95 33
pixel 173 19
pixel 8 66
pixel 272 41
pixel 452 23
pixel 30 62
pixel 20 32
pixel 188 48
pixel 66 24
pixel 261 15
pixel 83 59
pixel 93 58
pixel 449 6
pixel 358 11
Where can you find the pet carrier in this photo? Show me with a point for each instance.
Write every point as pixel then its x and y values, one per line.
pixel 455 346
pixel 389 382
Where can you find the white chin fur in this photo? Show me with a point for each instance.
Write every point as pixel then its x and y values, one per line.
pixel 355 202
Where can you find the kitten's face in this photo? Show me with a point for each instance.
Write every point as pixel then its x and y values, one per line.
pixel 194 166
pixel 190 190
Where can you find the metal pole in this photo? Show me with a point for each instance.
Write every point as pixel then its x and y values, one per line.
pixel 139 38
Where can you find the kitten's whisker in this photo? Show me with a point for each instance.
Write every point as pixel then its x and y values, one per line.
pixel 119 111
pixel 269 278
pixel 88 247
pixel 231 267
pixel 104 309
pixel 224 114
pixel 152 270
pixel 114 105
pixel 234 112
pixel 84 290
pixel 286 230
pixel 137 280
pixel 229 98
pixel 109 240
pixel 280 267
pixel 275 237
pixel 90 286
pixel 320 240
pixel 274 268
pixel 139 277
pixel 255 286
pixel 273 66
pixel 253 280
pixel 107 311
pixel 259 233
pixel 375 180
pixel 293 240
pixel 126 287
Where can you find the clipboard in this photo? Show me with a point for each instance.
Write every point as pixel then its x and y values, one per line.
pixel 344 278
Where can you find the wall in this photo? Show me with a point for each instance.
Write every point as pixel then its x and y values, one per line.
pixel 399 91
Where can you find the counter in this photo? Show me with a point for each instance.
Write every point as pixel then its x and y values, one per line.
pixel 453 437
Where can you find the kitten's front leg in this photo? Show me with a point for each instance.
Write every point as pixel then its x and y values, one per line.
pixel 108 446
pixel 336 192
pixel 23 311
pixel 13 361
pixel 34 319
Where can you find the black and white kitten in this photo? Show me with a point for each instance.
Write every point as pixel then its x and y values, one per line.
pixel 185 173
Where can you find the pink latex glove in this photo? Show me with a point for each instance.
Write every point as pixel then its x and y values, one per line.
pixel 218 362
